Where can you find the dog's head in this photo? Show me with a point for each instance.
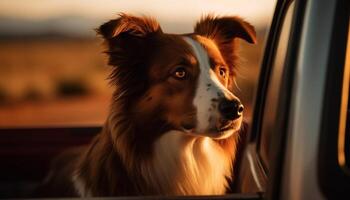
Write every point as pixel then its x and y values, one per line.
pixel 177 82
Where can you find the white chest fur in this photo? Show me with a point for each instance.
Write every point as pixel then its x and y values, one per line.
pixel 188 165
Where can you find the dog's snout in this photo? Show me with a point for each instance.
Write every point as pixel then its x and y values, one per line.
pixel 231 109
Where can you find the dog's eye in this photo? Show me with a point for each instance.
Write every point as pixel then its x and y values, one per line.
pixel 222 72
pixel 180 73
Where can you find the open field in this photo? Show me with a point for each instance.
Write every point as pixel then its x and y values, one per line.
pixel 39 69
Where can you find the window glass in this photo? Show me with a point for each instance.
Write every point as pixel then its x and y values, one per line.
pixel 344 125
pixel 271 102
pixel 53 71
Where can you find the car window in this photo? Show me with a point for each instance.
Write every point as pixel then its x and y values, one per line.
pixel 344 125
pixel 274 83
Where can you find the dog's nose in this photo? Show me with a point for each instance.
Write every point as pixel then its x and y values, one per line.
pixel 231 109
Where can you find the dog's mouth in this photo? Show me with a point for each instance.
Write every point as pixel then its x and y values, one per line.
pixel 222 129
pixel 224 125
pixel 225 128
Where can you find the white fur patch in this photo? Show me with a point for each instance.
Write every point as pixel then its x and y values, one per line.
pixel 188 165
pixel 209 88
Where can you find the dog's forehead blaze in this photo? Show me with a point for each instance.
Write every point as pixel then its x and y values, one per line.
pixel 172 50
pixel 211 49
pixel 217 58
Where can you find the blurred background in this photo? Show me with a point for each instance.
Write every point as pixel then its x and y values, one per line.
pixel 53 71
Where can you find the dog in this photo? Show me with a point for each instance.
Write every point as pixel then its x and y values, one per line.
pixel 174 122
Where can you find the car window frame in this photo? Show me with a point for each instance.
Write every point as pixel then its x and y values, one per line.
pixel 270 81
pixel 269 57
pixel 257 173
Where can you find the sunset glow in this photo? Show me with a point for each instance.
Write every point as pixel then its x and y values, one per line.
pixel 256 11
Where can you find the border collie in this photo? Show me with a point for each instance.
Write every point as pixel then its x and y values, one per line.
pixel 174 122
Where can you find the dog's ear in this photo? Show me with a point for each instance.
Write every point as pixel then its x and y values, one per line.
pixel 129 25
pixel 225 29
pixel 128 38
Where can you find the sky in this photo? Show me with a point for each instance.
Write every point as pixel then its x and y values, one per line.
pixel 184 12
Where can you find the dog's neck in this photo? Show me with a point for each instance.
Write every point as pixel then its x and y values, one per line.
pixel 189 165
pixel 178 163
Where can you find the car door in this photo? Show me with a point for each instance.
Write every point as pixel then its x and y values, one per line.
pixel 298 145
